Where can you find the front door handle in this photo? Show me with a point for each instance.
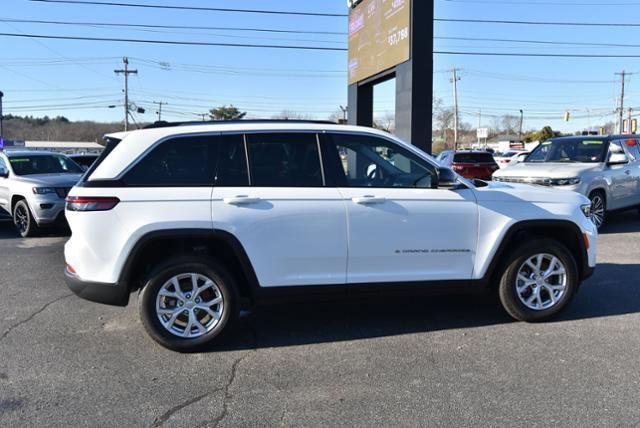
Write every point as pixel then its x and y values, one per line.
pixel 241 200
pixel 627 172
pixel 369 200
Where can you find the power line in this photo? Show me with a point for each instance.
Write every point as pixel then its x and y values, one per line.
pixel 197 8
pixel 541 42
pixel 535 55
pixel 172 27
pixel 574 24
pixel 543 3
pixel 173 42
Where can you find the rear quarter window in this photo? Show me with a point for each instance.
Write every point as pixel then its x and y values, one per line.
pixel 183 161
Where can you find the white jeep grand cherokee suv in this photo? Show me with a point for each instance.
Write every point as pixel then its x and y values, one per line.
pixel 202 217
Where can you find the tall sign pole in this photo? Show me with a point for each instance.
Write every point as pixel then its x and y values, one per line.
pixel 413 72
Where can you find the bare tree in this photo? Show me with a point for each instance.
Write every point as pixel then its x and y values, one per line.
pixel 386 122
pixel 292 115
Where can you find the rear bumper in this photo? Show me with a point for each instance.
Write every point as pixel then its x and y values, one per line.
pixel 108 294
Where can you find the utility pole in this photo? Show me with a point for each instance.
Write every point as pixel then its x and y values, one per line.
pixel 521 122
pixel 479 125
pixel 126 73
pixel 621 112
pixel 455 80
pixel 344 113
pixel 159 112
pixel 1 134
pixel 629 131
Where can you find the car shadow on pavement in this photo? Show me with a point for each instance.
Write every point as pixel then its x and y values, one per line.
pixel 7 231
pixel 622 222
pixel 613 291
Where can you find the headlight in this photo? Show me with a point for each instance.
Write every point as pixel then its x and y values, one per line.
pixel 565 181
pixel 43 190
pixel 586 210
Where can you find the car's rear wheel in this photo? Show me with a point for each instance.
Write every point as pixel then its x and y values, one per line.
pixel 23 220
pixel 598 208
pixel 188 303
pixel 539 280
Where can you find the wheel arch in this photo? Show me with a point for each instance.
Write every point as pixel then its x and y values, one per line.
pixel 158 246
pixel 563 231
pixel 14 201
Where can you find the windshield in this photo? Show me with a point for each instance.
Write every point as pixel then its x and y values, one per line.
pixel 574 150
pixel 43 164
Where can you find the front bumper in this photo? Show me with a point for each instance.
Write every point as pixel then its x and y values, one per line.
pixel 108 294
pixel 47 209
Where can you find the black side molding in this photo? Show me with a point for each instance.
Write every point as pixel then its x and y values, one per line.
pixel 108 294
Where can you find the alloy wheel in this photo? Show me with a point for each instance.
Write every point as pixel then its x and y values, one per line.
pixel 541 282
pixel 597 210
pixel 21 219
pixel 189 305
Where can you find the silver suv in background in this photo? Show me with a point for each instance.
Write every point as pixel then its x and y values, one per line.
pixel 606 169
pixel 33 187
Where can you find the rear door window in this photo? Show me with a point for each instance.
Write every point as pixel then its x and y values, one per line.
pixel 232 170
pixel 285 160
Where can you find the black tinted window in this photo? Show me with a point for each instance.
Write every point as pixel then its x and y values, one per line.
pixel 232 162
pixel 473 158
pixel 284 160
pixel 185 161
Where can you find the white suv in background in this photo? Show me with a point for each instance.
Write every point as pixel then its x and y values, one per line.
pixel 33 188
pixel 604 168
pixel 202 217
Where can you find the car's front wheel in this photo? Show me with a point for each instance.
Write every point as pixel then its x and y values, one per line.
pixel 23 220
pixel 539 280
pixel 598 208
pixel 188 303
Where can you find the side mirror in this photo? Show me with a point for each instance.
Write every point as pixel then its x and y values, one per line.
pixel 447 179
pixel 4 173
pixel 617 159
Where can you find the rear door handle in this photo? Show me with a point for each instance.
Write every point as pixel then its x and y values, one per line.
pixel 241 200
pixel 369 200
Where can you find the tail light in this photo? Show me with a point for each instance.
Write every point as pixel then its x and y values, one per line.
pixel 90 203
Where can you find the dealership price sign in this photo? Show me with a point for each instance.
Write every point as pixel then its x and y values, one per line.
pixel 379 37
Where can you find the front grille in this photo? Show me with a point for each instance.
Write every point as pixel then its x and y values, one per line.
pixel 63 191
pixel 541 181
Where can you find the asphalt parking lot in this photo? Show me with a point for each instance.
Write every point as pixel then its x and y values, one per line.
pixel 444 361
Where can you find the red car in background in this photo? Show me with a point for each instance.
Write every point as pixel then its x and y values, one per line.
pixel 469 164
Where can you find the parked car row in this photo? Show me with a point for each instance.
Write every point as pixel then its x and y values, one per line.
pixel 606 169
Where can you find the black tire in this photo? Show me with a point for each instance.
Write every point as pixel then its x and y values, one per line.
pixel 594 197
pixel 23 220
pixel 187 265
pixel 507 289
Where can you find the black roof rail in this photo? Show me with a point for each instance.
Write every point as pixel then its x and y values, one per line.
pixel 164 124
